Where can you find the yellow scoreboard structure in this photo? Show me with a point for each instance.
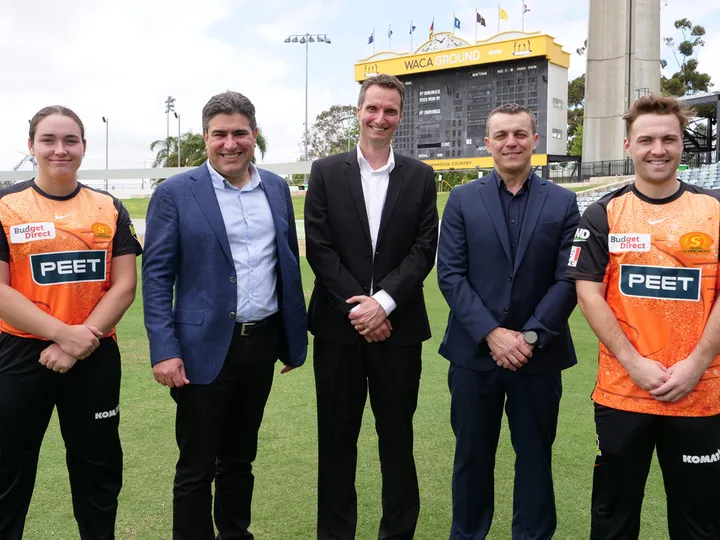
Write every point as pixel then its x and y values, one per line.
pixel 452 85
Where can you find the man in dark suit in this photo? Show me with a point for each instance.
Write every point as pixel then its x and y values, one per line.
pixel 504 245
pixel 371 233
pixel 223 236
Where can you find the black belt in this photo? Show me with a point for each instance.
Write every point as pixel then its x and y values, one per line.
pixel 255 327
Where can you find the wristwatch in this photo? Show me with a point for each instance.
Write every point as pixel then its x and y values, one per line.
pixel 531 337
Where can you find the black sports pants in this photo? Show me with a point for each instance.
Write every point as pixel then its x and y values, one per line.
pixel 87 399
pixel 688 451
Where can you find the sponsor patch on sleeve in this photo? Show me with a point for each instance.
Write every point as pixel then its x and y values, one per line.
pixel 581 235
pixel 31 232
pixel 574 256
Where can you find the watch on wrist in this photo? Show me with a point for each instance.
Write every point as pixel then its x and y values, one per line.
pixel 531 337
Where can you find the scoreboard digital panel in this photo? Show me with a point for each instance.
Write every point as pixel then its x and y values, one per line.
pixel 445 112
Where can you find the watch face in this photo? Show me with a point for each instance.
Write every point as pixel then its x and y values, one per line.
pixel 531 337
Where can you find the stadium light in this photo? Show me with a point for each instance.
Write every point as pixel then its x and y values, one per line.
pixel 306 39
pixel 178 119
pixel 169 107
pixel 106 121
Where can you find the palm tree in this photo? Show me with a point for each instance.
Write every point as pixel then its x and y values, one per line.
pixel 261 143
pixel 192 150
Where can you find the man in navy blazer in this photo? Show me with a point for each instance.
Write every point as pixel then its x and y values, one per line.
pixel 223 302
pixel 504 245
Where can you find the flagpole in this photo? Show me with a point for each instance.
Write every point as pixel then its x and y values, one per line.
pixel 390 37
pixel 411 30
pixel 523 16
pixel 498 14
pixel 476 23
pixel 453 23
pixel 373 41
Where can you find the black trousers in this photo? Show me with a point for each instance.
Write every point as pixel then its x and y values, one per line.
pixel 87 399
pixel 531 401
pixel 216 429
pixel 688 450
pixel 343 376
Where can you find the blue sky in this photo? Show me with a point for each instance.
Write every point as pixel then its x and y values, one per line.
pixel 122 58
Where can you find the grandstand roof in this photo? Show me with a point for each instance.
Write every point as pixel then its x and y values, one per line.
pixel 706 103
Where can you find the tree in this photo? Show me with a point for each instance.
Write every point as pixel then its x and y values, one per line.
pixel 335 130
pixel 261 145
pixel 688 80
pixel 577 142
pixel 576 114
pixel 192 150
pixel 576 108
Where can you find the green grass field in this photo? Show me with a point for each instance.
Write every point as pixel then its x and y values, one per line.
pixel 138 207
pixel 284 500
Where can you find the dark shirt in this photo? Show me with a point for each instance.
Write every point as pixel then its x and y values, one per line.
pixel 514 207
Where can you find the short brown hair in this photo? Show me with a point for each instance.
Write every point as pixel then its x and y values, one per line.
pixel 383 81
pixel 511 108
pixel 652 104
pixel 51 110
pixel 228 103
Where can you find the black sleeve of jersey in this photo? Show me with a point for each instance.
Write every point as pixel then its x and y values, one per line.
pixel 125 241
pixel 589 255
pixel 4 246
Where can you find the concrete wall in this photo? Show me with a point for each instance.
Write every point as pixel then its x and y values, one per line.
pixel 557 88
pixel 623 55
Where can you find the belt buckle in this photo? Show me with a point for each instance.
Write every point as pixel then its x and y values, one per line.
pixel 244 327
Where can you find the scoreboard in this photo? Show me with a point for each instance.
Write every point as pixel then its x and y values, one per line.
pixel 445 113
pixel 450 92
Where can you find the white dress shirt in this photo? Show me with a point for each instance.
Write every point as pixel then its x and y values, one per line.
pixel 375 185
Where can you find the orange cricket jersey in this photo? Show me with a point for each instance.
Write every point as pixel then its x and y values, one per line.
pixel 659 260
pixel 60 249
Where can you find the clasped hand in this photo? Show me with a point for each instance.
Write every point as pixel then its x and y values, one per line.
pixel 508 348
pixel 663 383
pixel 369 319
pixel 74 343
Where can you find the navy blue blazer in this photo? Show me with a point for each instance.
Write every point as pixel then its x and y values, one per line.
pixel 186 248
pixel 484 289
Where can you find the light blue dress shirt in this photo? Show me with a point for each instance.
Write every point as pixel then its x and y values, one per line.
pixel 251 233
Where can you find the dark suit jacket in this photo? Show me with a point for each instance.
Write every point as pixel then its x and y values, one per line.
pixel 187 248
pixel 485 290
pixel 339 248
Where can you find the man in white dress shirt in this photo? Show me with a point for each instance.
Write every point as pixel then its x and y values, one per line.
pixel 371 232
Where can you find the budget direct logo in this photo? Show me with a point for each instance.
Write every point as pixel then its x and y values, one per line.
pixel 31 232
pixel 628 242
pixel 68 267
pixel 696 242
pixel 660 282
